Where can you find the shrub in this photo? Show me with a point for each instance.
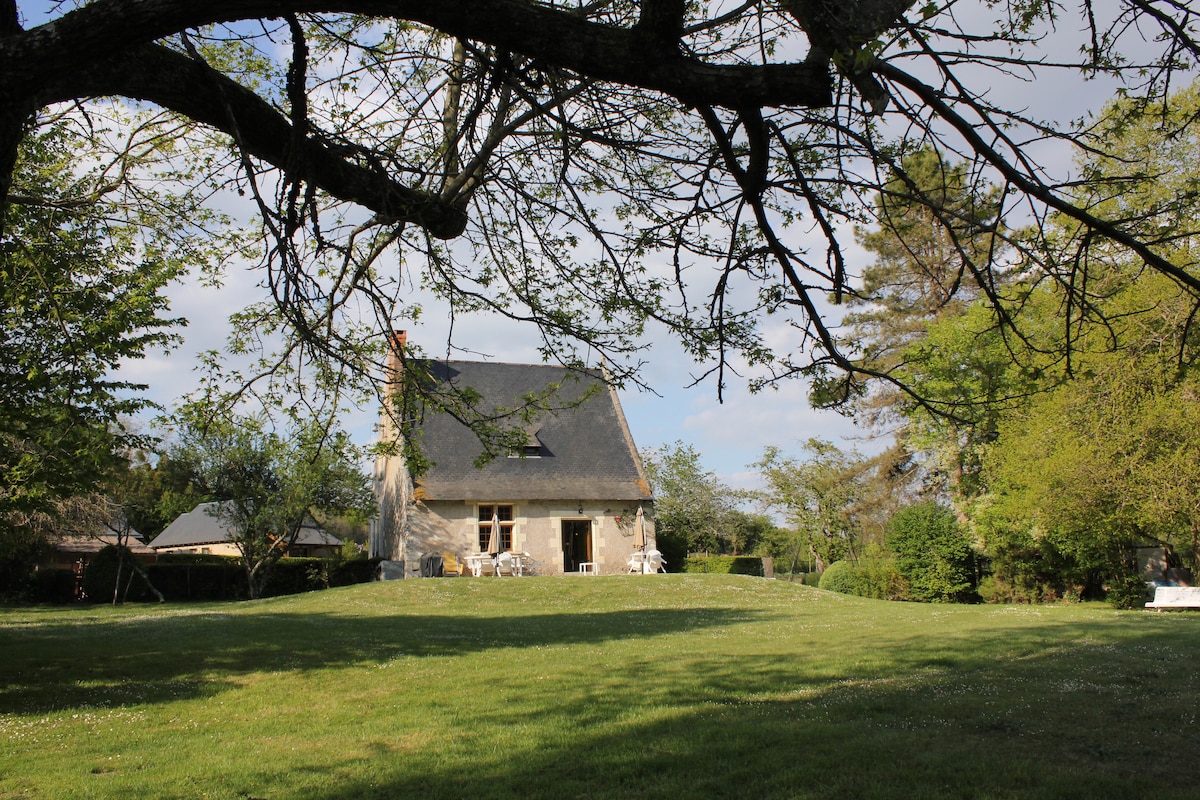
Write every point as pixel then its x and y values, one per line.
pixel 878 576
pixel 187 577
pixel 100 577
pixel 724 565
pixel 933 556
pixel 673 548
pixel 354 570
pixel 20 552
pixel 1128 591
pixel 53 586
pixel 840 576
pixel 874 575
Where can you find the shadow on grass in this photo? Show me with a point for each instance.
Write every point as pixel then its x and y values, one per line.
pixel 145 660
pixel 1038 717
pixel 902 707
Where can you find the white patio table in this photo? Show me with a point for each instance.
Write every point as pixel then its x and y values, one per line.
pixel 477 562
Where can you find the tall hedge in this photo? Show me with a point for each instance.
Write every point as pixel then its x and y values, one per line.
pixel 208 577
pixel 724 565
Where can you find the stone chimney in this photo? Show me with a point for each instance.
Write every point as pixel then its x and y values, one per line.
pixel 395 360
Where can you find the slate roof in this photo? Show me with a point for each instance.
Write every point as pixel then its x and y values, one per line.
pixel 102 538
pixel 199 527
pixel 586 451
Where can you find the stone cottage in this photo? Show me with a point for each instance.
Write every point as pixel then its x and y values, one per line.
pixel 567 494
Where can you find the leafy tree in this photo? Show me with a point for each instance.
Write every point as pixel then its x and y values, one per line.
pixel 817 496
pixel 932 554
pixel 747 533
pixel 693 510
pixel 969 373
pixel 78 295
pixel 938 227
pixel 152 493
pixel 266 484
pixel 1091 468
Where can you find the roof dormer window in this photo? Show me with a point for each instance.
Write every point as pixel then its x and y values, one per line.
pixel 532 447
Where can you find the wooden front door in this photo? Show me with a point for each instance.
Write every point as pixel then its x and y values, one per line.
pixel 576 543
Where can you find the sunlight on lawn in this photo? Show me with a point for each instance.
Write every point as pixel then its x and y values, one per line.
pixel 676 686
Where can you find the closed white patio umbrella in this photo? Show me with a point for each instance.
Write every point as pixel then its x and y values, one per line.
pixel 494 539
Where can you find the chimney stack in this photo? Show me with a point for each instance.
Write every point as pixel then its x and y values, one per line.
pixel 395 360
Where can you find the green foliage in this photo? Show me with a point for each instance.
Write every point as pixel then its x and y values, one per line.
pixel 874 575
pixel 100 579
pixel 52 586
pixel 267 483
pixel 21 548
pixel 1129 591
pixel 724 565
pixel 818 496
pixel 693 510
pixel 79 294
pixel 194 577
pixel 932 554
pixel 937 224
pixel 878 575
pixel 1065 466
pixel 201 579
pixel 152 495
pixel 839 577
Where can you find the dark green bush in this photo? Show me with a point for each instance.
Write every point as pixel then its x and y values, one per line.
pixel 1128 591
pixel 186 576
pixel 53 586
pixel 195 558
pixel 200 579
pixel 724 565
pixel 348 572
pixel 100 577
pixel 932 554
pixel 20 553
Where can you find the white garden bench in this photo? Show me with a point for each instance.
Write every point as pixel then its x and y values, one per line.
pixel 1175 597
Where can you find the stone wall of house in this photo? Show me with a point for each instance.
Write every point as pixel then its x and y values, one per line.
pixel 393 491
pixel 453 527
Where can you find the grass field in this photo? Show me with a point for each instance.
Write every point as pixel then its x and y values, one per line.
pixel 616 687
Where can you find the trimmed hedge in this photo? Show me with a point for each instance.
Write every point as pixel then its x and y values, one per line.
pixel 53 586
pixel 207 577
pixel 199 580
pixel 724 565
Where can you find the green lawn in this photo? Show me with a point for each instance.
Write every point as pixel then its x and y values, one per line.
pixel 625 687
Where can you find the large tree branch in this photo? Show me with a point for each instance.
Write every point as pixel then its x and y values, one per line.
pixel 191 88
pixel 1031 187
pixel 70 45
